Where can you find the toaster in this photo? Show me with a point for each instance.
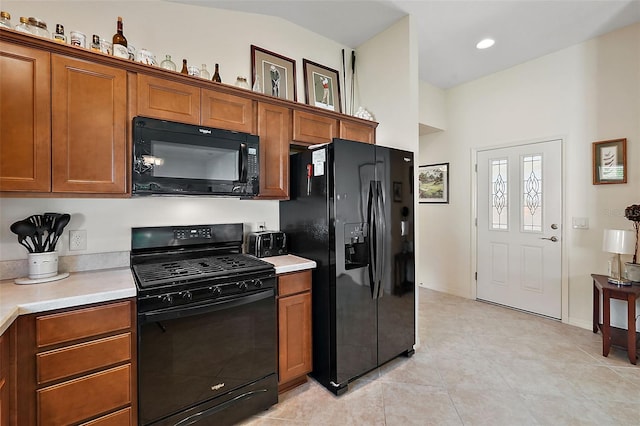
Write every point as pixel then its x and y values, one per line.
pixel 267 243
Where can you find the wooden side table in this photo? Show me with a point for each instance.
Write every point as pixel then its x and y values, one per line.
pixel 614 335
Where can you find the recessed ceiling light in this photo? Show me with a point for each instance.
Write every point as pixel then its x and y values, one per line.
pixel 486 43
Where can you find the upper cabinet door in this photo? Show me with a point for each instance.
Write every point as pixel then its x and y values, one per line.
pixel 168 100
pixel 310 129
pixel 89 121
pixel 25 120
pixel 357 131
pixel 274 129
pixel 226 111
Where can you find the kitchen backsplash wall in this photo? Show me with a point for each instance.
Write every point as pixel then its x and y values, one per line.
pixel 108 222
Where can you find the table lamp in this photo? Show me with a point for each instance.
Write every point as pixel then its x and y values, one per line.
pixel 618 242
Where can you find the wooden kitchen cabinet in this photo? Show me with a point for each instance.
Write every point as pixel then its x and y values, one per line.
pixel 78 365
pixel 175 101
pixel 63 124
pixel 274 129
pixel 89 123
pixel 167 99
pixel 294 329
pixel 25 119
pixel 65 119
pixel 356 131
pixel 7 372
pixel 227 111
pixel 311 129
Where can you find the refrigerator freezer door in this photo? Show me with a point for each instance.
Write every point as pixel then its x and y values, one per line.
pixel 353 167
pixel 396 306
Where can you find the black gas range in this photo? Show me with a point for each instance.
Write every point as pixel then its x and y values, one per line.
pixel 206 326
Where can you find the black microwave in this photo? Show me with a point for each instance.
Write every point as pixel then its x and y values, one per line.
pixel 183 159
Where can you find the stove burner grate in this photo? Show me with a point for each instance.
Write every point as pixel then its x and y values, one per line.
pixel 186 269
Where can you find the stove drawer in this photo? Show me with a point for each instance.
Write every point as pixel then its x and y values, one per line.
pixel 82 358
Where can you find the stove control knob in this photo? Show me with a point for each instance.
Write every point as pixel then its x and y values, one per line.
pixel 167 298
pixel 242 286
pixel 257 283
pixel 217 291
pixel 186 295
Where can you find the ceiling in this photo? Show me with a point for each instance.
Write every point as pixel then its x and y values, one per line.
pixel 448 30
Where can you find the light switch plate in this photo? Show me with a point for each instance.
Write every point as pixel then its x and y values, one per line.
pixel 580 223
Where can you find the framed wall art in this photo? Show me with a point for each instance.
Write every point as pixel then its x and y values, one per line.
pixel 433 183
pixel 321 86
pixel 276 74
pixel 610 161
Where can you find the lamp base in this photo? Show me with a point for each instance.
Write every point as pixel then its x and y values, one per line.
pixel 619 281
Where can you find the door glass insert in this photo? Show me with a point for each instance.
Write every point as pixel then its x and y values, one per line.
pixel 499 203
pixel 532 193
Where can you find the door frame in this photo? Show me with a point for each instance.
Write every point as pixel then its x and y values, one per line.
pixel 564 264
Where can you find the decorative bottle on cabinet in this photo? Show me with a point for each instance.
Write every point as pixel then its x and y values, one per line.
pixel 204 73
pixel 256 85
pixel 59 35
pixel 168 64
pixel 242 82
pixel 120 42
pixel 5 20
pixel 23 26
pixel 216 75
pixel 185 69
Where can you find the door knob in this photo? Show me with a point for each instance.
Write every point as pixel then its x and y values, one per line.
pixel 554 238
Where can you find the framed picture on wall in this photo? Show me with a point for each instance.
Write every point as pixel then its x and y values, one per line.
pixel 321 86
pixel 276 74
pixel 433 183
pixel 610 161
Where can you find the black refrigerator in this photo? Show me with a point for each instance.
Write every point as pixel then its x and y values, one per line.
pixel 351 210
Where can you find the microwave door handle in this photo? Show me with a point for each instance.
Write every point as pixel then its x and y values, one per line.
pixel 243 160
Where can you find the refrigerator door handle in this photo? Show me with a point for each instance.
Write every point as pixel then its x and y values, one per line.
pixel 380 241
pixel 371 220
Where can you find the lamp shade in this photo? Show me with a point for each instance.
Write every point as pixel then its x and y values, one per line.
pixel 619 241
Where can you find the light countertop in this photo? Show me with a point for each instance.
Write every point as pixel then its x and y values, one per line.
pixel 289 263
pixel 80 288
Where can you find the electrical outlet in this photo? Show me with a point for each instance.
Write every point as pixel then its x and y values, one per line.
pixel 261 226
pixel 78 240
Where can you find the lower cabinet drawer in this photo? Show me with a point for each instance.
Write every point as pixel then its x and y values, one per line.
pixel 76 359
pixel 86 397
pixel 293 283
pixel 82 323
pixel 119 418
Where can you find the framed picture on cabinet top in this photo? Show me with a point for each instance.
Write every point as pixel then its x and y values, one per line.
pixel 276 74
pixel 433 183
pixel 321 86
pixel 610 161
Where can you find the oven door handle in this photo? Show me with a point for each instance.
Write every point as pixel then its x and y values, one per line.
pixel 187 311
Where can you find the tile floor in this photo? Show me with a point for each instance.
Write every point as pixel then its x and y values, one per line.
pixel 479 364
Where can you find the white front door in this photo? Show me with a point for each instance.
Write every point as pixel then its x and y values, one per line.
pixel 519 227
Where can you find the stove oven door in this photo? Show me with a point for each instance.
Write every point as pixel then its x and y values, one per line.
pixel 210 363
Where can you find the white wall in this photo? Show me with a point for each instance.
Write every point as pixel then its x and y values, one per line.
pixel 432 110
pixel 387 84
pixel 206 35
pixel 586 93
